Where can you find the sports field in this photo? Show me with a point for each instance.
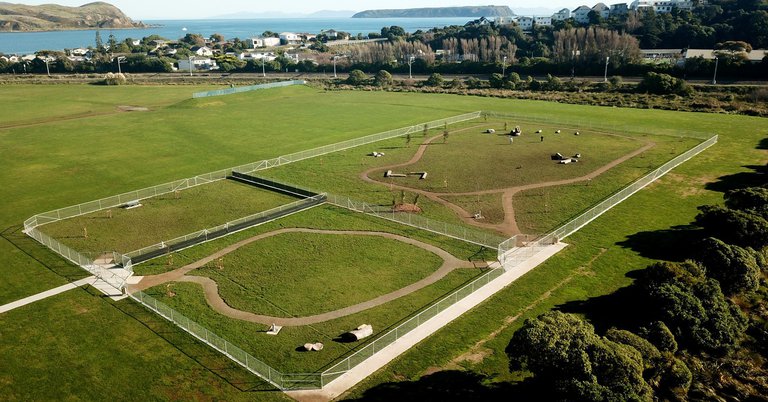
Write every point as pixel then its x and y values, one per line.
pixel 87 347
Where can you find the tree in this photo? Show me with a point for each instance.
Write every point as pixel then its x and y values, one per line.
pixel 496 80
pixel 692 305
pixel 734 226
pixel 663 84
pixel 357 77
pixel 734 267
pixel 193 39
pixel 99 42
pixel 383 78
pixel 563 352
pixel 218 38
pixel 434 80
pixel 752 199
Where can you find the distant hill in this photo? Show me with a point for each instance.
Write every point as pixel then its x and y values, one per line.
pixel 439 12
pixel 50 17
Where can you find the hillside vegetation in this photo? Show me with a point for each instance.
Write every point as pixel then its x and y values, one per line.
pixel 438 12
pixel 47 17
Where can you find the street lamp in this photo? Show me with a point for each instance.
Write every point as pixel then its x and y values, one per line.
pixel 47 69
pixel 119 60
pixel 504 66
pixel 714 77
pixel 334 66
pixel 410 61
pixel 263 69
pixel 190 65
pixel 605 76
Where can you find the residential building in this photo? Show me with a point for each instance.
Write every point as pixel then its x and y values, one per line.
pixel 602 10
pixel 289 38
pixel 525 23
pixel 505 20
pixel 561 15
pixel 664 6
pixel 542 21
pixel 581 14
pixel 619 9
pixel 257 42
pixel 198 64
pixel 202 51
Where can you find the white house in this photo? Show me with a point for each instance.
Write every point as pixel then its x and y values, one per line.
pixel 602 10
pixel 198 64
pixel 525 23
pixel 505 20
pixel 253 43
pixel 202 51
pixel 136 42
pixel 581 14
pixel 542 21
pixel 289 38
pixel 266 56
pixel 664 6
pixel 561 15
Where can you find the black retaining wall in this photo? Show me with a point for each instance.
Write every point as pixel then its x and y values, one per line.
pixel 308 203
pixel 272 185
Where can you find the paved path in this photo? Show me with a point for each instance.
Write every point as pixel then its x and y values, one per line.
pixel 211 289
pixel 509 225
pixel 388 353
pixel 47 294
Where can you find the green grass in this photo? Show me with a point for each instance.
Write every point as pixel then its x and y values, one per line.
pixel 164 217
pixel 280 352
pixel 108 350
pixel 301 274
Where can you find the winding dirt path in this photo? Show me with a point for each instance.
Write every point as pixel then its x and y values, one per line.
pixel 509 225
pixel 214 299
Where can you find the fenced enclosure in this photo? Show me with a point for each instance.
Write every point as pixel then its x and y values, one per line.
pixel 511 252
pixel 230 91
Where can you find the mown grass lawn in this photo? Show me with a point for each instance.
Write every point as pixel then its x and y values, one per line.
pixel 123 352
pixel 301 274
pixel 164 217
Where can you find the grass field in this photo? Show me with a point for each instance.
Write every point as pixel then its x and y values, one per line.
pixel 86 347
pixel 164 217
pixel 301 274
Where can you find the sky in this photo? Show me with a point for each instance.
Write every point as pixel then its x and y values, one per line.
pixel 184 9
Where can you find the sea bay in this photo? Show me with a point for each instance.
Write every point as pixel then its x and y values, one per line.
pixel 29 42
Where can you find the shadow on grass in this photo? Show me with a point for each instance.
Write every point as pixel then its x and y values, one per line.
pixel 758 177
pixel 208 358
pixel 675 244
pixel 42 254
pixel 624 308
pixel 763 144
pixel 451 385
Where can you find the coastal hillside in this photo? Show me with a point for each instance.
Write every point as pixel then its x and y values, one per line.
pixel 48 17
pixel 439 12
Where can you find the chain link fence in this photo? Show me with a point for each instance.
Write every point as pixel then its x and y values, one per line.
pixel 230 91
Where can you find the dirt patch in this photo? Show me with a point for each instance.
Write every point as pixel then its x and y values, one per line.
pixel 411 208
pixel 128 108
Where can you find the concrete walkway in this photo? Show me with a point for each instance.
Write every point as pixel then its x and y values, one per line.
pixel 48 293
pixel 381 358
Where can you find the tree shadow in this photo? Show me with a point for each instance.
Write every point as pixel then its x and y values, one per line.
pixel 758 177
pixel 452 385
pixel 675 244
pixel 763 144
pixel 624 308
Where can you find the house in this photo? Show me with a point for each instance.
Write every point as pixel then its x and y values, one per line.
pixel 136 42
pixel 602 10
pixel 542 21
pixel 662 55
pixel 202 51
pixel 306 37
pixel 525 23
pixel 561 15
pixel 266 56
pixel 581 14
pixel 254 43
pixel 289 38
pixel 81 52
pixel 198 64
pixel 665 6
pixel 505 20
pixel 619 9
pixel 294 57
pixel 334 34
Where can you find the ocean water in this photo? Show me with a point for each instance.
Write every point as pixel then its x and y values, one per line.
pixel 30 42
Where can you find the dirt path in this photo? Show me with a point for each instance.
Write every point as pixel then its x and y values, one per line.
pixel 212 296
pixel 509 225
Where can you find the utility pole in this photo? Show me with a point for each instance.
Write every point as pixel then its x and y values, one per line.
pixel 47 69
pixel 190 65
pixel 263 69
pixel 714 77
pixel 334 66
pixel 605 76
pixel 504 66
pixel 410 61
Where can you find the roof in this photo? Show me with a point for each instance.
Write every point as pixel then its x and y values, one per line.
pixel 755 55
